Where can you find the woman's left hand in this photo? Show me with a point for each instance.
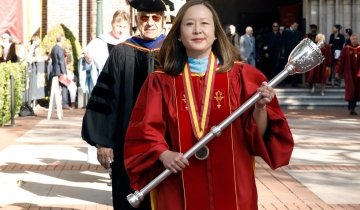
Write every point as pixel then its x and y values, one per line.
pixel 267 94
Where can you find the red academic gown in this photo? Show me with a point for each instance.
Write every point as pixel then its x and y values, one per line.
pixel 319 74
pixel 348 66
pixel 225 180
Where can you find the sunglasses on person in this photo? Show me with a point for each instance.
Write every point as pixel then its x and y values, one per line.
pixel 155 18
pixel 275 26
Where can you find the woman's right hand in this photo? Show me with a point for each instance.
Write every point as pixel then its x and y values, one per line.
pixel 174 161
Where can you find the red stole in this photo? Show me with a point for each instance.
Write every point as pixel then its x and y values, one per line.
pixel 207 184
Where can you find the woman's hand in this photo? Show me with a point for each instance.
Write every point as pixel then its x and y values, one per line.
pixel 267 94
pixel 174 161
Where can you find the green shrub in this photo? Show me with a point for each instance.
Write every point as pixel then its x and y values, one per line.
pixel 18 71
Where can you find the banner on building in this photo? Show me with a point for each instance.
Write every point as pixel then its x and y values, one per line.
pixel 11 18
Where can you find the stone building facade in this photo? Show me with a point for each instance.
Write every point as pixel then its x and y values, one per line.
pixel 326 13
pixel 80 15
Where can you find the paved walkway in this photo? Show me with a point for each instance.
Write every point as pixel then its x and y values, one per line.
pixel 43 165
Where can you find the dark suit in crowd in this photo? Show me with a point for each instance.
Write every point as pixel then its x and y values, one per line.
pixel 57 56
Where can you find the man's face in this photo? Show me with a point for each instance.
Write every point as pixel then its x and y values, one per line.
pixel 313 30
pixel 232 29
pixel 295 26
pixel 281 29
pixel 62 41
pixel 150 24
pixel 275 27
pixel 354 40
pixel 5 37
pixel 249 31
pixel 335 30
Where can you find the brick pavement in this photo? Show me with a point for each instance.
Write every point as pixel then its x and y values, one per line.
pixel 81 183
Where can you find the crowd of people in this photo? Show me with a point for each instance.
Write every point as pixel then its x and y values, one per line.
pixel 267 51
pixel 271 54
pixel 152 97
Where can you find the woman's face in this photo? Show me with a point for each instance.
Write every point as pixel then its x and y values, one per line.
pixel 150 24
pixel 121 28
pixel 197 31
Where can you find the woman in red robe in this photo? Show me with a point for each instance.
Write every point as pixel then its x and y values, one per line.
pixel 199 85
pixel 320 74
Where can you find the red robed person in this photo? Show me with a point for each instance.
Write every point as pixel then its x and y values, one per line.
pixel 348 67
pixel 199 85
pixel 320 74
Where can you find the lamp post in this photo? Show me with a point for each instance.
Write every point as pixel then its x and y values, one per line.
pixel 99 17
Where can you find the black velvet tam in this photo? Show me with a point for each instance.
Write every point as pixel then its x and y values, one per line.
pixel 151 5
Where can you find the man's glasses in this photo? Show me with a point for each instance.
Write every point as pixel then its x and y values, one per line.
pixel 145 18
pixel 275 26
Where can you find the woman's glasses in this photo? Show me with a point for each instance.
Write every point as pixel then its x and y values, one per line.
pixel 145 18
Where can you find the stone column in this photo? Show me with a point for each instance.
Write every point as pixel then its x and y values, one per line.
pixel 347 14
pixel 99 17
pixel 338 12
pixel 314 12
pixel 306 13
pixel 322 18
pixel 330 17
pixel 356 17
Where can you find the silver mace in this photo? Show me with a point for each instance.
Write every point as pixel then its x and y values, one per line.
pixel 304 57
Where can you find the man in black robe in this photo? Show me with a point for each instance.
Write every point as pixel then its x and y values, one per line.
pixel 292 37
pixel 111 102
pixel 313 32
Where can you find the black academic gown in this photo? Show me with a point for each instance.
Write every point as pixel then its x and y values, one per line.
pixel 108 112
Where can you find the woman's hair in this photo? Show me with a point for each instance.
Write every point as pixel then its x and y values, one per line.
pixel 120 15
pixel 349 31
pixel 320 38
pixel 172 56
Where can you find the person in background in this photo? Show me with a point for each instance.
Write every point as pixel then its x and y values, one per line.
pixel 72 87
pixel 97 51
pixel 247 46
pixel 320 74
pixel 34 52
pixel 313 32
pixel 281 29
pixel 292 37
pixel 8 49
pixel 274 51
pixel 58 69
pixel 199 83
pixel 113 97
pixel 348 33
pixel 234 37
pixel 95 55
pixel 337 41
pixel 348 68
